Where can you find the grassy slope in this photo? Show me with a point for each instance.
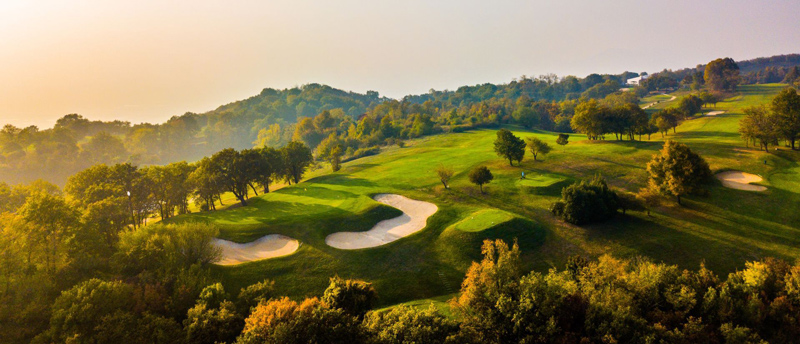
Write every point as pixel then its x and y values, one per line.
pixel 725 229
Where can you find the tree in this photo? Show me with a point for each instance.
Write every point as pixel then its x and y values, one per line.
pixel 444 173
pixel 489 285
pixel 649 198
pixel 678 171
pixel 272 169
pixel 213 319
pixel 53 221
pixel 404 324
pixel 786 106
pixel 690 105
pixel 290 322
pixel 255 294
pixel 586 202
pixel 480 175
pixel 232 170
pixel 336 158
pixel 352 296
pixel 79 310
pixel 628 201
pixel 537 146
pixel 722 75
pixel 562 139
pixel 509 146
pixel 296 157
pixel 590 119
pixel 761 126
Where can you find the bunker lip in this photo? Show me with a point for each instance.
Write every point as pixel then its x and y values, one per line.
pixel 414 218
pixel 740 181
pixel 268 246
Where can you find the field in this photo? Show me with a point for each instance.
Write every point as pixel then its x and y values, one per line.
pixel 724 229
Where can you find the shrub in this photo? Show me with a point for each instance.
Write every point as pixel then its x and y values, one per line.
pixel 353 297
pixel 586 202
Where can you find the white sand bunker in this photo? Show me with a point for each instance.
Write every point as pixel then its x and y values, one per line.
pixel 415 216
pixel 740 181
pixel 714 113
pixel 268 246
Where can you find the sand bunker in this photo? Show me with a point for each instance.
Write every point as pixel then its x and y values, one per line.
pixel 714 113
pixel 740 181
pixel 415 215
pixel 268 246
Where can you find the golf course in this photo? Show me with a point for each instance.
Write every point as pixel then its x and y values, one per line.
pixel 723 230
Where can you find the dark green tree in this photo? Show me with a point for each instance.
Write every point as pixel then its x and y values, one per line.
pixel 509 146
pixel 480 175
pixel 296 157
pixel 353 297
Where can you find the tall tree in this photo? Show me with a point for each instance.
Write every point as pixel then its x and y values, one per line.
pixel 722 75
pixel 53 220
pixel 232 170
pixel 509 146
pixel 296 157
pixel 678 171
pixel 590 119
pixel 786 106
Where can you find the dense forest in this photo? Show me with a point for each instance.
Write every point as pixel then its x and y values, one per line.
pixel 316 113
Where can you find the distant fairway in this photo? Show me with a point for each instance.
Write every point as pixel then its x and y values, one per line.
pixel 723 230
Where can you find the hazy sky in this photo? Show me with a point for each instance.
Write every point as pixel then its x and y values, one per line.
pixel 147 61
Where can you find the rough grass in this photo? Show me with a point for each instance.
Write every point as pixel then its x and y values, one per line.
pixel 724 229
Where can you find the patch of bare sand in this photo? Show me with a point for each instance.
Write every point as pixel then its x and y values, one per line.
pixel 268 246
pixel 714 113
pixel 414 218
pixel 740 180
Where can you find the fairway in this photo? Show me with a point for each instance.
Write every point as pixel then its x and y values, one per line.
pixel 724 229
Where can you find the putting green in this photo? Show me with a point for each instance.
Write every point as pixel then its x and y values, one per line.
pixel 483 219
pixel 539 180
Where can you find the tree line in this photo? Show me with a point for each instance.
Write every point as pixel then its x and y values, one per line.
pixel 601 300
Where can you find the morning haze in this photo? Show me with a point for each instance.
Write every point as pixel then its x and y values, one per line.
pixel 149 61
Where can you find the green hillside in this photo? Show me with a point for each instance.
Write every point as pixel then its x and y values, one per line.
pixel 723 230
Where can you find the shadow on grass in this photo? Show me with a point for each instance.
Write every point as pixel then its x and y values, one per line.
pixel 334 179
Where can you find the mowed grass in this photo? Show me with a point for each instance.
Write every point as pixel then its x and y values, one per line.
pixel 483 219
pixel 724 229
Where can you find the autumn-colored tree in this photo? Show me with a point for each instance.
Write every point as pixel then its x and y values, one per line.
pixel 678 171
pixel 290 322
pixel 490 286
pixel 722 75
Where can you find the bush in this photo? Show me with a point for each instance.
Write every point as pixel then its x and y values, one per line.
pixel 288 322
pixel 586 202
pixel 404 324
pixel 254 294
pixel 353 297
